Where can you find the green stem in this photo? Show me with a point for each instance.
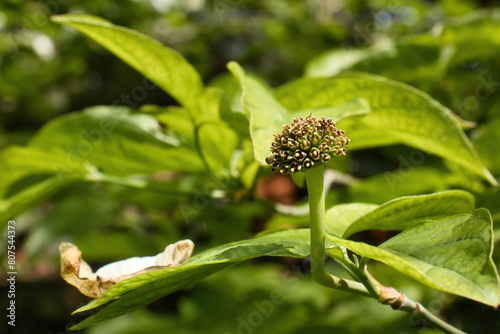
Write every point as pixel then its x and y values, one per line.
pixel 369 287
pixel 316 191
pixel 315 188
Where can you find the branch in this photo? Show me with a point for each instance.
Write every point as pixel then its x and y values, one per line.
pixel 399 301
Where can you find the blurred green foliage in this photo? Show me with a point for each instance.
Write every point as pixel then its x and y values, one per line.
pixel 446 48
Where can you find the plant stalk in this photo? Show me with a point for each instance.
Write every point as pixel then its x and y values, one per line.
pixel 369 286
pixel 316 191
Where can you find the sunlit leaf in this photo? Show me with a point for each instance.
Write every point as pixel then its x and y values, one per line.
pixel 165 67
pixel 451 254
pixel 115 142
pixel 400 213
pixel 400 114
pixel 341 216
pixel 267 116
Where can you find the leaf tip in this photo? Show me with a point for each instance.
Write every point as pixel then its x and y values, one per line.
pixel 235 69
pixel 76 328
pixel 80 19
pixel 491 179
pixel 55 18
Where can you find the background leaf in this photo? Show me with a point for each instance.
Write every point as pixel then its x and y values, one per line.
pixel 422 57
pixel 165 67
pixel 98 144
pixel 29 175
pixel 486 139
pixel 115 142
pixel 217 144
pixel 404 181
pixel 335 61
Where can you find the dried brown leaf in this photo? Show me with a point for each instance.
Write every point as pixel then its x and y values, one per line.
pixel 78 273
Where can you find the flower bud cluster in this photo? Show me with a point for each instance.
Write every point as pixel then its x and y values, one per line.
pixel 306 143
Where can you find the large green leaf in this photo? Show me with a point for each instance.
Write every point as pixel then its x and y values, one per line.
pixel 100 144
pixel 452 254
pixel 165 67
pixel 341 216
pixel 115 142
pixel 175 119
pixel 400 114
pixel 143 289
pixel 215 139
pixel 217 143
pixel 29 175
pixel 267 116
pixel 398 214
pixel 207 107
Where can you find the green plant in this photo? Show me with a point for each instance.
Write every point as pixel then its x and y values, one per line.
pixel 220 134
pixel 306 145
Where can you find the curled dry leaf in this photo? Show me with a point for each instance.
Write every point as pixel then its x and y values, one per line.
pixel 78 273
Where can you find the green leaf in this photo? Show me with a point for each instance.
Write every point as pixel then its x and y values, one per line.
pixel 404 181
pixel 267 116
pixel 341 216
pixel 100 144
pixel 486 139
pixel 29 175
pixel 206 107
pixel 424 57
pixel 231 91
pixel 217 143
pixel 176 120
pixel 420 58
pixel 141 290
pixel 400 114
pixel 163 66
pixel 335 61
pixel 451 254
pixel 399 214
pixel 115 142
pixel 474 36
pixel 354 107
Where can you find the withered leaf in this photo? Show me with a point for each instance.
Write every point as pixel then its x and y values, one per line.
pixel 78 273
